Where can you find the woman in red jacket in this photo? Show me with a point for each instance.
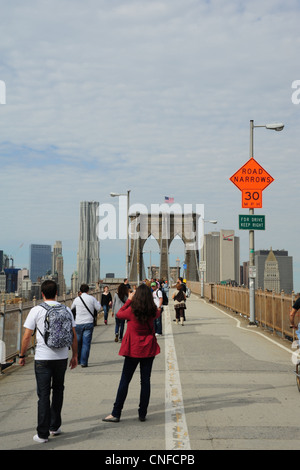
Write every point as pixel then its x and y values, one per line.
pixel 139 346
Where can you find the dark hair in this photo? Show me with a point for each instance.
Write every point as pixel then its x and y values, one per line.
pixel 123 292
pixel 84 288
pixel 142 304
pixel 49 289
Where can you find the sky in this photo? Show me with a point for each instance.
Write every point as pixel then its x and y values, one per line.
pixel 154 97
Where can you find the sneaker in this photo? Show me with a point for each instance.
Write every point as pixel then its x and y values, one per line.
pixel 40 440
pixel 55 433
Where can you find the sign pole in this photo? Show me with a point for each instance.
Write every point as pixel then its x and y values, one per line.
pixel 252 179
pixel 251 250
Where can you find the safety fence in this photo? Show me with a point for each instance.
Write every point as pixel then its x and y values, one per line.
pixel 12 318
pixel 271 309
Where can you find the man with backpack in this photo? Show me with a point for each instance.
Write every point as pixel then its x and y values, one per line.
pixel 55 334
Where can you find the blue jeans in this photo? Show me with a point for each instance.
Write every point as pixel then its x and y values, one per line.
pixel 49 374
pixel 84 337
pixel 119 326
pixel 105 310
pixel 129 367
pixel 158 325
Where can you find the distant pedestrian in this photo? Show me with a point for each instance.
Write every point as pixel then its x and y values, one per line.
pixel 165 288
pixel 120 298
pixel 158 300
pixel 126 282
pixel 139 346
pixel 50 363
pixel 179 303
pixel 106 302
pixel 182 282
pixel 86 308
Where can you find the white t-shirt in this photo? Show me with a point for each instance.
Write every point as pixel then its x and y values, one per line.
pixel 83 316
pixel 157 295
pixel 35 320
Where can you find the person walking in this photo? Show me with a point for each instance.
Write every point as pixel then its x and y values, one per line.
pixel 158 300
pixel 50 363
pixel 120 298
pixel 293 313
pixel 139 346
pixel 179 303
pixel 84 307
pixel 106 302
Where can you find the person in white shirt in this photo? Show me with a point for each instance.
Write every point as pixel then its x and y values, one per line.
pixel 50 364
pixel 158 300
pixel 84 306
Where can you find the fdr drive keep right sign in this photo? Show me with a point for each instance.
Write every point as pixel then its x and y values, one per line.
pixel 251 179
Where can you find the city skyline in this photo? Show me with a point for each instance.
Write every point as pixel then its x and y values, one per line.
pixel 152 97
pixel 230 272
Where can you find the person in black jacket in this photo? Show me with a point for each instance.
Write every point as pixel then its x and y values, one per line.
pixel 106 302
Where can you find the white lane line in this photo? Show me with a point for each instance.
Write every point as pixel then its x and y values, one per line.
pixel 176 431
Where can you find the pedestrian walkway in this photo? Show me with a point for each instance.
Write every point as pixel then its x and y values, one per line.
pixel 217 384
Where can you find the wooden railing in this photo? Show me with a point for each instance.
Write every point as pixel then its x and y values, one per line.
pixel 12 318
pixel 271 310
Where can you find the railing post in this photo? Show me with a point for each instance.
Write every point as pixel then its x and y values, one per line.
pixel 19 341
pixel 273 309
pixel 281 305
pixel 2 326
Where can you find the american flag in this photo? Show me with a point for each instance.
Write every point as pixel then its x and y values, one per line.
pixel 169 199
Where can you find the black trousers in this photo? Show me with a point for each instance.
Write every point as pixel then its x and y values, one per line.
pixel 129 367
pixel 49 375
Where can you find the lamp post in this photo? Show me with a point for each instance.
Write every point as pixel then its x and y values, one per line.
pixel 274 127
pixel 202 270
pixel 127 227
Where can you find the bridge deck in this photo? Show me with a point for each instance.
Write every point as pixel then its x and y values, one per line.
pixel 217 384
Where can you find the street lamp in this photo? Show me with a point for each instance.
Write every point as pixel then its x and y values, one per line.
pixel 202 268
pixel 127 227
pixel 274 127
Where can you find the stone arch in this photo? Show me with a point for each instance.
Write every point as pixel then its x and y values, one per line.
pixel 163 227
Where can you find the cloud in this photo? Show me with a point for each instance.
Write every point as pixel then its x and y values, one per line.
pixel 152 96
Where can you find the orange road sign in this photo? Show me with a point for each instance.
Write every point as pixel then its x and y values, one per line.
pixel 251 179
pixel 252 199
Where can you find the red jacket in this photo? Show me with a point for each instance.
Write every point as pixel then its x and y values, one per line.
pixel 139 339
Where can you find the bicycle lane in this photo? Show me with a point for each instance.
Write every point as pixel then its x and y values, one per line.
pixel 238 387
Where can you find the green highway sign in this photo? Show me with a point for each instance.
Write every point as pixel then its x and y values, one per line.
pixel 252 222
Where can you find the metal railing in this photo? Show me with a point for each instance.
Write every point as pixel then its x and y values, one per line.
pixel 271 309
pixel 12 318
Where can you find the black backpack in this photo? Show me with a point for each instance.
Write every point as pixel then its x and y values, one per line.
pixel 165 297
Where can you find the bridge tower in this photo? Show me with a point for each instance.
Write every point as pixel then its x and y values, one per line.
pixel 164 227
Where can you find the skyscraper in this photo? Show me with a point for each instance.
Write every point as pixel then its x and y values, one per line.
pixel 57 250
pixel 221 251
pixel 271 273
pixel 88 259
pixel 279 267
pixel 40 261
